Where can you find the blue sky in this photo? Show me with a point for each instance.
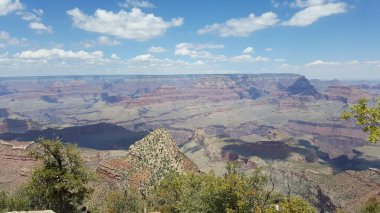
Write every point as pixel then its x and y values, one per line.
pixel 323 39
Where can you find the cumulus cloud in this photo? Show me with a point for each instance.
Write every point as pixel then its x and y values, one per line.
pixel 59 53
pixel 40 27
pixel 248 50
pixel 321 62
pixel 34 18
pixel 135 24
pixel 313 11
pixel 137 3
pixel 352 69
pixel 154 49
pixel 144 58
pixel 249 58
pixel 114 56
pixel 307 3
pixel 324 63
pixel 34 15
pixel 241 27
pixel 104 40
pixel 10 6
pixel 196 50
pixel 7 40
pixel 100 41
pixel 28 16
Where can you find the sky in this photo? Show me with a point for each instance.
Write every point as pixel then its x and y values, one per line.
pixel 324 39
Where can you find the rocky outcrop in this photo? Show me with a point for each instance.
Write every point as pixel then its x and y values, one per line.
pixel 110 99
pixel 217 82
pixel 147 161
pixel 302 87
pixel 49 99
pixel 254 93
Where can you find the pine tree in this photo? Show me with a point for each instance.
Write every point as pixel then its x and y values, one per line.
pixel 60 181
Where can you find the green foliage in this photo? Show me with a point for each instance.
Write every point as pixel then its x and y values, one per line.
pixel 3 201
pixel 124 202
pixel 116 202
pixel 372 206
pixel 296 205
pixel 339 211
pixel 60 182
pixel 15 202
pixel 234 192
pixel 367 117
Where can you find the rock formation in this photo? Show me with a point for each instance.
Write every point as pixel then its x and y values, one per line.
pixel 147 161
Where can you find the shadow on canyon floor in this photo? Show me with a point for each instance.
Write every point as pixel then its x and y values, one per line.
pixel 343 162
pixel 268 150
pixel 101 136
pixel 278 150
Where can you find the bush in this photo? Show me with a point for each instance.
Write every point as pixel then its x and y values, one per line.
pixel 15 202
pixel 372 206
pixel 60 183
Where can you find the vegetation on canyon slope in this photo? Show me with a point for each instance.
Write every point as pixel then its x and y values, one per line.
pixel 61 183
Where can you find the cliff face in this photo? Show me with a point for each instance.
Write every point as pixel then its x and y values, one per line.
pixel 147 161
pixel 347 94
pixel 302 87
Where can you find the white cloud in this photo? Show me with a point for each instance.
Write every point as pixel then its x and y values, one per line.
pixel 28 16
pixel 313 11
pixel 197 50
pixel 248 50
pixel 241 27
pixel 268 49
pixel 104 40
pixel 34 19
pixel 7 40
pixel 34 16
pixel 114 56
pixel 135 24
pixel 249 58
pixel 137 3
pixel 100 41
pixel 321 62
pixel 275 3
pixel 59 53
pixel 307 3
pixel 344 70
pixel 154 49
pixel 331 63
pixel 39 12
pixel 144 58
pixel 40 28
pixel 10 6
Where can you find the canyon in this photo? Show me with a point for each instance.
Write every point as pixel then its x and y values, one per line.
pixel 285 124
